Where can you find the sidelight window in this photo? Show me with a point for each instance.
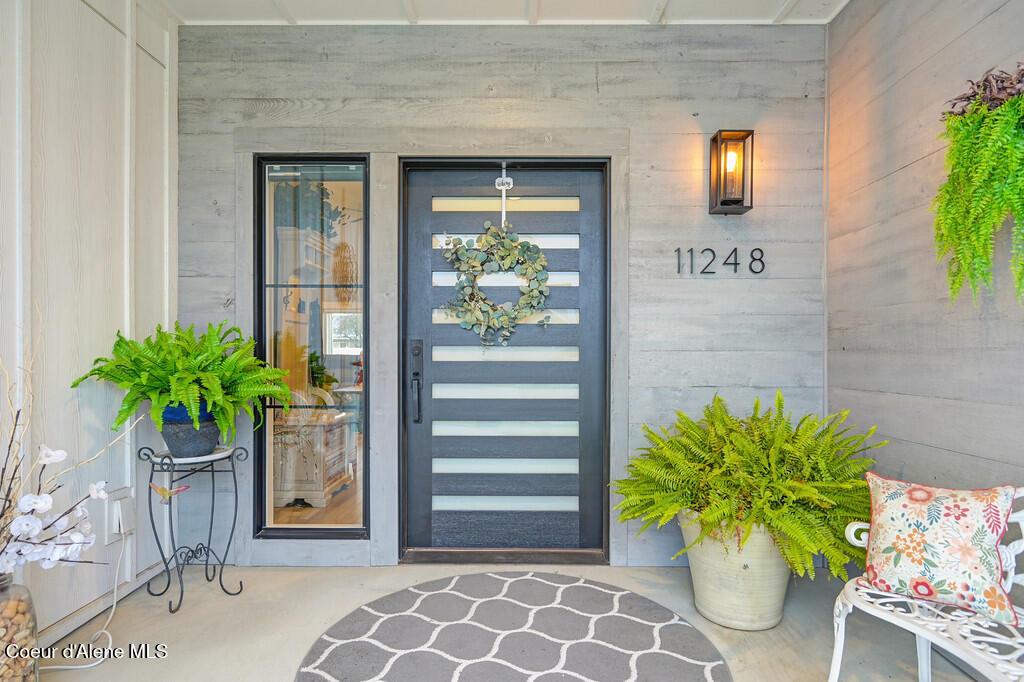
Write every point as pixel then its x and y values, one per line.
pixel 311 321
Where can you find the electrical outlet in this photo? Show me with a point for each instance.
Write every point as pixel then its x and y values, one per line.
pixel 119 515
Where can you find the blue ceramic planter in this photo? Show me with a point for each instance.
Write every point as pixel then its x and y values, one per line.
pixel 181 436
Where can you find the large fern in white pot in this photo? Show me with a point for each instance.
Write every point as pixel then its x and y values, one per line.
pixel 749 487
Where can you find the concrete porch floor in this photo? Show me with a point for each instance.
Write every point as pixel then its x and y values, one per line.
pixel 264 633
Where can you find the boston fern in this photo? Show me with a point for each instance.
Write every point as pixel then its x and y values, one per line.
pixel 985 160
pixel 178 369
pixel 804 483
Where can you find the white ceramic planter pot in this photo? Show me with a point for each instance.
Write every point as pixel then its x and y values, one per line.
pixel 742 589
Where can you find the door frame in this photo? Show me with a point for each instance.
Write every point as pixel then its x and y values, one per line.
pixel 409 554
pixel 386 145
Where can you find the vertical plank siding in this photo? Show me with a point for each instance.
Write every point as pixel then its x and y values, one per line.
pixel 670 87
pixel 942 380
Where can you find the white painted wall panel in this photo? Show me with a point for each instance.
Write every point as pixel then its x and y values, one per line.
pixel 151 231
pixel 13 196
pixel 113 11
pixel 151 35
pixel 78 258
pixel 151 238
pixel 75 212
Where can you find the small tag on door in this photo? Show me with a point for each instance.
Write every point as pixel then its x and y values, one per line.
pixel 503 183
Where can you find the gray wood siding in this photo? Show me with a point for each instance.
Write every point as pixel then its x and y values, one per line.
pixel 669 86
pixel 944 381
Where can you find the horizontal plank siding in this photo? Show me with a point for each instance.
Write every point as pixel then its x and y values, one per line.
pixel 421 46
pixel 942 380
pixel 443 90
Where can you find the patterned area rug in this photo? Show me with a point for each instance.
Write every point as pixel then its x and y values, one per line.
pixel 498 627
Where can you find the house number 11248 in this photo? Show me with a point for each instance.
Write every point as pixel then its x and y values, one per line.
pixel 705 261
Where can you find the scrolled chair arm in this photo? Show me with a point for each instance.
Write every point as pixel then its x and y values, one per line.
pixel 857 533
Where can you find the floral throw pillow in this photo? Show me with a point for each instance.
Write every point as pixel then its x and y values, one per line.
pixel 940 544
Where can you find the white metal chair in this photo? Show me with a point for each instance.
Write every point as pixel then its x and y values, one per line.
pixel 995 650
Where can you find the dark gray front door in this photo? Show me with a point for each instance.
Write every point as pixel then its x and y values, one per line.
pixel 505 446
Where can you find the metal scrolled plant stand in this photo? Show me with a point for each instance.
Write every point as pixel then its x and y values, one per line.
pixel 181 556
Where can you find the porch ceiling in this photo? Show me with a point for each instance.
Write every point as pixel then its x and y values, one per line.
pixel 506 12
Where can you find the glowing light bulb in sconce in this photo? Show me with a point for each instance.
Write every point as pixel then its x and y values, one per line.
pixel 730 161
pixel 732 186
pixel 731 177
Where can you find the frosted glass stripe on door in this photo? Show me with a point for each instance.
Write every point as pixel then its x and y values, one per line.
pixel 543 241
pixel 505 391
pixel 520 204
pixel 510 465
pixel 554 315
pixel 506 279
pixel 553 429
pixel 505 354
pixel 553 503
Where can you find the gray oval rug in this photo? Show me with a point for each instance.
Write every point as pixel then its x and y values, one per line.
pixel 493 627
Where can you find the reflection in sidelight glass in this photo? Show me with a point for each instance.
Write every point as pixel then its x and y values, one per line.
pixel 314 311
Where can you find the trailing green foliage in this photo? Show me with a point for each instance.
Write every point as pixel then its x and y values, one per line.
pixel 176 368
pixel 985 161
pixel 496 250
pixel 804 483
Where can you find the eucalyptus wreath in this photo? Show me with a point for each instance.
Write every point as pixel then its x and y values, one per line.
pixel 497 249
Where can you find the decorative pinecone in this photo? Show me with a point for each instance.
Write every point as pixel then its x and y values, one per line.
pixel 993 89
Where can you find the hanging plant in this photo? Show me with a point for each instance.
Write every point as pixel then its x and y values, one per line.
pixel 985 160
pixel 496 250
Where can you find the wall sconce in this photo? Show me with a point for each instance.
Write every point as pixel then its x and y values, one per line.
pixel 732 172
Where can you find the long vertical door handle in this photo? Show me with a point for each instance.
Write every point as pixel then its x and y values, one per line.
pixel 417 412
pixel 416 365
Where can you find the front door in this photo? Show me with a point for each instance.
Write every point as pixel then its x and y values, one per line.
pixel 505 446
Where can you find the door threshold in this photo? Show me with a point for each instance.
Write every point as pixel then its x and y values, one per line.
pixel 458 555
